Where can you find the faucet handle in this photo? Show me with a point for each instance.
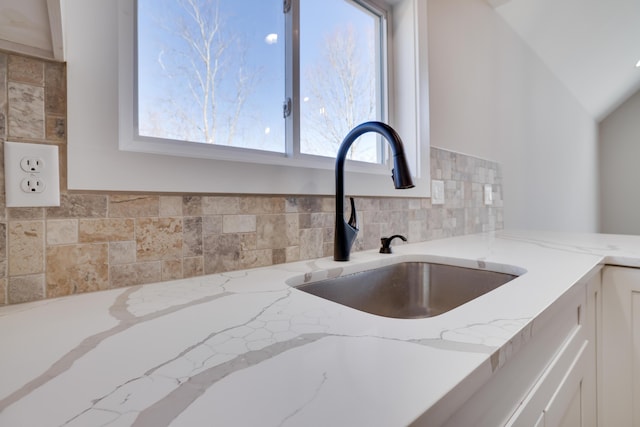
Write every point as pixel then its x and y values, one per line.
pixel 353 218
pixel 386 243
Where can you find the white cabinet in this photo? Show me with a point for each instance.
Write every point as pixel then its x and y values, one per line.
pixel 551 381
pixel 565 394
pixel 619 362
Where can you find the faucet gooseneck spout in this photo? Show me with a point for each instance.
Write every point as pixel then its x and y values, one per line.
pixel 346 232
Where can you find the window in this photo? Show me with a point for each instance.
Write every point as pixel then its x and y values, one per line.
pixel 118 145
pixel 213 71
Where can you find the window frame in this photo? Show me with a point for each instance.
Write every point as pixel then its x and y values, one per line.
pixel 292 145
pixel 92 132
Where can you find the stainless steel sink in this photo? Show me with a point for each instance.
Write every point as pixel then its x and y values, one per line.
pixel 408 290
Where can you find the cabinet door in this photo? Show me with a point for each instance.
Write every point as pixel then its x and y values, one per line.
pixel 620 351
pixel 565 395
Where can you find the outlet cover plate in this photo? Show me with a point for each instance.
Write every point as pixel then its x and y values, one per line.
pixel 488 194
pixel 437 192
pixel 48 173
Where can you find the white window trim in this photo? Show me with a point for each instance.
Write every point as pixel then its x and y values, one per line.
pixel 101 84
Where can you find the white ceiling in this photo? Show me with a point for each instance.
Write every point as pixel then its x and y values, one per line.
pixel 591 45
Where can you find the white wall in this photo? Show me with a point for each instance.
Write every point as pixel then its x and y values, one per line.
pixel 492 97
pixel 620 169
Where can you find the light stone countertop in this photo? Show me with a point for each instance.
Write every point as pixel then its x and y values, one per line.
pixel 246 349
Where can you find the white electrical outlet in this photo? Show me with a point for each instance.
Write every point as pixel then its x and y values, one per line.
pixel 31 164
pixel 32 176
pixel 488 194
pixel 437 192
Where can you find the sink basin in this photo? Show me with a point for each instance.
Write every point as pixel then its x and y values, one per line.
pixel 408 290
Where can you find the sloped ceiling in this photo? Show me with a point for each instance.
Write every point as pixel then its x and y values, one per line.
pixel 33 27
pixel 591 45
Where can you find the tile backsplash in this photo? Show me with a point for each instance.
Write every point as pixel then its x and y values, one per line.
pixel 103 240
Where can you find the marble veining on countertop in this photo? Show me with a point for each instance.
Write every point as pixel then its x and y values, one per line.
pixel 245 348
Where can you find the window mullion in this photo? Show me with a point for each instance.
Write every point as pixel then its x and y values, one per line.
pixel 292 76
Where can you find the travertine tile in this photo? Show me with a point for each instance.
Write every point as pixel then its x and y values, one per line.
pixel 62 231
pixel 304 204
pixel 323 219
pixel 311 243
pixel 26 247
pixel 192 244
pixel 248 241
pixel 192 205
pixel 3 123
pixel 26 70
pixel 3 94
pixel 238 223
pixel 135 274
pixel 79 206
pixel 279 256
pixel 261 205
pixel 25 213
pixel 56 128
pixel 293 253
pixel 258 230
pixel 122 252
pixel 218 205
pixel 158 239
pixel 133 206
pixel 26 111
pixel 55 88
pixel 106 229
pixel 25 288
pixel 256 258
pixel 3 241
pixel 212 225
pixel 193 266
pixel 172 269
pixel 277 231
pixel 73 269
pixel 170 206
pixel 221 253
pixel 3 291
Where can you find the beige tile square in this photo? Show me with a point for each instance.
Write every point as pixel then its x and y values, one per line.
pixel 26 70
pixel 172 269
pixel 62 231
pixel 26 111
pixel 78 268
pixel 311 243
pixel 122 252
pixel 193 267
pixel 26 247
pixel 158 239
pixel 25 288
pixel 192 205
pixel 170 206
pixel 212 225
